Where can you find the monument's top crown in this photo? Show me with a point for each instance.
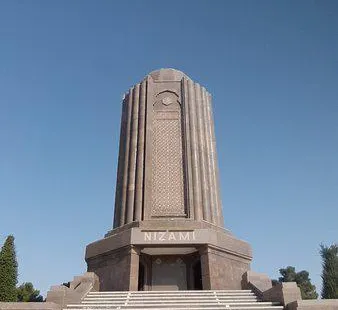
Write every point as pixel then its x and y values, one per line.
pixel 167 74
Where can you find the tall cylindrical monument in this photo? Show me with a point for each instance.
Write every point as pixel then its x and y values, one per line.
pixel 168 223
pixel 167 160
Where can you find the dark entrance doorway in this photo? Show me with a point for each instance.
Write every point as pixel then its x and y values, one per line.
pixel 197 275
pixel 141 277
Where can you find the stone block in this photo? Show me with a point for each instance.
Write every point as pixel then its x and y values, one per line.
pixel 115 269
pixel 283 293
pixel 79 287
pixel 29 306
pixel 259 282
pixel 324 304
pixel 224 270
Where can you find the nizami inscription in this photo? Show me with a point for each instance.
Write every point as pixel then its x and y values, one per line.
pixel 169 236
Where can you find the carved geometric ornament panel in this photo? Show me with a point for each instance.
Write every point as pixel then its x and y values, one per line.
pixel 167 160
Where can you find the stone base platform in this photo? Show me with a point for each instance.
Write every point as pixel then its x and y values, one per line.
pixel 169 255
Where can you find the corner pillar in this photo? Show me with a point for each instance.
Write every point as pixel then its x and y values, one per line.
pixel 205 270
pixel 134 268
pixel 117 270
pixel 222 270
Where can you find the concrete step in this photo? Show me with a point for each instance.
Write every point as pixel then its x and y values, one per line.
pixel 186 305
pixel 173 303
pixel 174 300
pixel 162 292
pixel 169 297
pixel 199 307
pixel 172 293
pixel 166 299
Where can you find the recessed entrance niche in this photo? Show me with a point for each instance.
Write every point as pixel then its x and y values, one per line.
pixel 168 273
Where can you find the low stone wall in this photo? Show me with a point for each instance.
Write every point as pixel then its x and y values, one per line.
pixel 257 282
pixel 327 304
pixel 261 285
pixel 286 293
pixel 79 288
pixel 59 296
pixel 29 306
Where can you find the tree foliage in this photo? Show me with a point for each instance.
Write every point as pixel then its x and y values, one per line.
pixel 8 271
pixel 330 271
pixel 307 289
pixel 26 292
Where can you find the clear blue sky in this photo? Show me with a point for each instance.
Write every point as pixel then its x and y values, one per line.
pixel 272 67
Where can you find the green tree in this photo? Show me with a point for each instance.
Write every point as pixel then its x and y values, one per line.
pixel 8 271
pixel 330 271
pixel 307 289
pixel 26 292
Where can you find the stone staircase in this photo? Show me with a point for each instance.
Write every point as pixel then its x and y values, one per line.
pixel 175 300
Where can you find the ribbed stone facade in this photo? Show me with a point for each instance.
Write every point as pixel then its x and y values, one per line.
pixel 167 157
pixel 168 229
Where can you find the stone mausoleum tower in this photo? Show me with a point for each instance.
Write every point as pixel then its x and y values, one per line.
pixel 168 229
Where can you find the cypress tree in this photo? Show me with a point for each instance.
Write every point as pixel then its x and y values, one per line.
pixel 330 271
pixel 8 271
